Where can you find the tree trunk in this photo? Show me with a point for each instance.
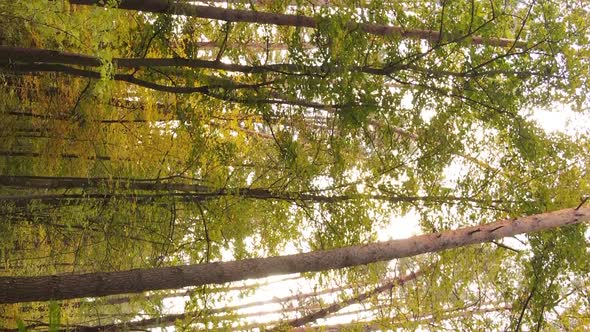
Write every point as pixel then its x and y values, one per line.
pixel 209 91
pixel 27 114
pixel 188 192
pixel 238 15
pixel 129 78
pixel 63 156
pixel 36 55
pixel 186 293
pixel 58 287
pixel 337 306
pixel 251 46
pixel 318 313
pixel 403 322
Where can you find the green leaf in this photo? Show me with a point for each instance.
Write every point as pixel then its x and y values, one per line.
pixel 54 316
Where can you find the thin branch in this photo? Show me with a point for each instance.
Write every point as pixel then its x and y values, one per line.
pixel 337 306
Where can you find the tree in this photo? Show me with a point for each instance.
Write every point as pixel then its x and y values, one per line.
pixel 16 289
pixel 183 135
pixel 167 7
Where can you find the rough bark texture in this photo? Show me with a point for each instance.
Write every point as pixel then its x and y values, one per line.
pixel 58 287
pixel 318 312
pixel 236 15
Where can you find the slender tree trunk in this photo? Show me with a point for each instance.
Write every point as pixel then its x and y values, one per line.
pixel 27 114
pixel 36 55
pixel 58 287
pixel 187 192
pixel 63 156
pixel 129 78
pixel 170 319
pixel 237 15
pixel 251 45
pixel 185 293
pixel 209 91
pixel 401 322
pixel 337 306
pixel 404 322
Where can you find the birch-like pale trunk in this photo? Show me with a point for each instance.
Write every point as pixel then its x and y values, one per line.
pixel 59 287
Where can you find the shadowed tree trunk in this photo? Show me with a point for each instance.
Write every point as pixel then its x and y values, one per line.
pixel 57 287
pixel 186 192
pixel 36 55
pixel 213 290
pixel 58 68
pixel 212 91
pixel 63 155
pixel 402 322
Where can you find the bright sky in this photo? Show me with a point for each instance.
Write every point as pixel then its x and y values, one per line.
pixel 563 119
pixel 558 118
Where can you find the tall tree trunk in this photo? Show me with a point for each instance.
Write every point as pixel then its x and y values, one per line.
pixel 337 306
pixel 208 90
pixel 36 55
pixel 129 78
pixel 63 155
pixel 58 287
pixel 238 15
pixel 318 313
pixel 251 45
pixel 187 192
pixel 404 322
pixel 213 290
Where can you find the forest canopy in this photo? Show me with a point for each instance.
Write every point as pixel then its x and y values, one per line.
pixel 156 155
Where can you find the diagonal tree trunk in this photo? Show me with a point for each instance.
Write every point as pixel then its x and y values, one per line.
pixel 58 287
pixel 213 290
pixel 400 323
pixel 238 15
pixel 337 306
pixel 167 320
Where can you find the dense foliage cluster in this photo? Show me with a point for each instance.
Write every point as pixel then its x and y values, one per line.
pixel 149 134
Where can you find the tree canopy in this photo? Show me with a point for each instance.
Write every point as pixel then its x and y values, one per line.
pixel 156 135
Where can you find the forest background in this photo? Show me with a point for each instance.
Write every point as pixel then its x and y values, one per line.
pixel 144 142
